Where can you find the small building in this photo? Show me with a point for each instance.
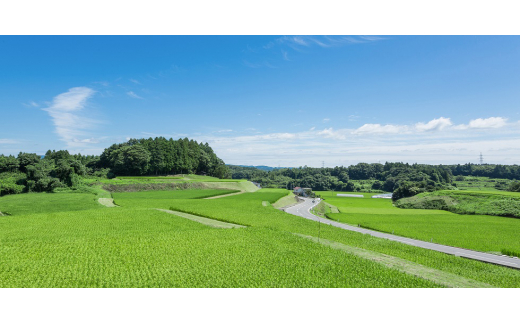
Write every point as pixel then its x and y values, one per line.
pixel 303 191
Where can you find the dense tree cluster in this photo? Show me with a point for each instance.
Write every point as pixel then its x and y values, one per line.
pixel 514 187
pixel 387 177
pixel 161 156
pixel 32 173
pixel 59 169
pixel 486 170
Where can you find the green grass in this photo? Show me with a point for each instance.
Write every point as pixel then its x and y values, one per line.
pixel 147 178
pixel 126 180
pixel 126 247
pixel 242 186
pixel 253 214
pixel 184 194
pixel 478 232
pixel 162 199
pixel 270 195
pixel 33 203
pixel 321 209
pixel 135 246
pixel 285 201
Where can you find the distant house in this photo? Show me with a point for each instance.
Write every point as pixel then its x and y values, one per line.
pixel 303 191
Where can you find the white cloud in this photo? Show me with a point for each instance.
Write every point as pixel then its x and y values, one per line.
pixel 493 122
pixel 325 120
pixel 86 141
pixel 31 104
pixel 65 111
pixel 435 124
pixel 323 41
pixel 133 95
pixel 8 141
pixel 434 142
pixel 134 81
pixel 480 123
pixel 371 128
pixel 285 55
pixel 333 134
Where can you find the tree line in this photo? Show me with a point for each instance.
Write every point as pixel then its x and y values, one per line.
pixel 384 177
pixel 487 170
pixel 30 172
pixel 402 179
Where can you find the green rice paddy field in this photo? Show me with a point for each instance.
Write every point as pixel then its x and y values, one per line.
pixel 479 232
pixel 76 242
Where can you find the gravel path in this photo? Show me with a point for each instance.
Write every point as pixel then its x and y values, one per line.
pixel 219 196
pixel 203 220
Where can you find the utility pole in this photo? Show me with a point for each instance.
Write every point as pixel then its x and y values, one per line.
pixel 481 159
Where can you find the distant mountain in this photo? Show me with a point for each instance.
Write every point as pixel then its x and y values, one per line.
pixel 266 168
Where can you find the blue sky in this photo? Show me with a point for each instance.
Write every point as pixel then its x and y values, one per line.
pixel 271 100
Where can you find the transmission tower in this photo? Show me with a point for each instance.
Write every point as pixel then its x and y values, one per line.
pixel 481 159
pixel 323 164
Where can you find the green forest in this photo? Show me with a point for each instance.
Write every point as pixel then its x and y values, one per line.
pixel 402 179
pixel 29 172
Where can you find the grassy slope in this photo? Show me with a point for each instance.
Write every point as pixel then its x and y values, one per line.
pixel 498 203
pixel 242 186
pixel 125 180
pixel 287 200
pixel 32 203
pixel 478 232
pixel 479 183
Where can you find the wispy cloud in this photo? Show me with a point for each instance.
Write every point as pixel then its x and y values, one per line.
pixel 102 83
pixel 256 57
pixel 65 110
pixel 8 141
pixel 376 128
pixel 258 65
pixel 325 120
pixel 31 104
pixel 135 81
pixel 133 95
pixel 325 41
pixel 285 55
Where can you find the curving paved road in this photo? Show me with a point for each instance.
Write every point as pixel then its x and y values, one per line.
pixel 303 210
